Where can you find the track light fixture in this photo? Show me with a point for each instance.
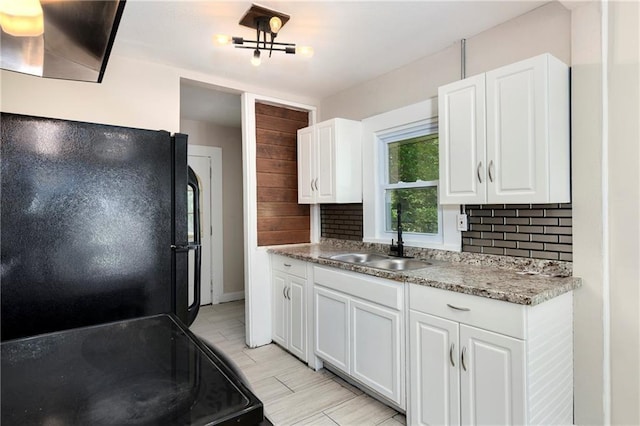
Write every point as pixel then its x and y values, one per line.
pixel 267 24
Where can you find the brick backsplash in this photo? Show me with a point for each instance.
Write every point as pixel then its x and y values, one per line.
pixel 540 231
pixel 343 221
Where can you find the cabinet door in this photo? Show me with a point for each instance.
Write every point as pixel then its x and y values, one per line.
pixel 326 174
pixel 461 124
pixel 492 378
pixel 306 166
pixel 434 380
pixel 332 327
pixel 517 132
pixel 376 352
pixel 297 318
pixel 279 303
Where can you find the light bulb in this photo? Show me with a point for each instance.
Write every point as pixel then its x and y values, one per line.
pixel 222 39
pixel 255 61
pixel 21 18
pixel 306 51
pixel 275 24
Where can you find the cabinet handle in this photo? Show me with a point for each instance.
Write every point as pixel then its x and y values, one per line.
pixel 284 292
pixel 311 183
pixel 489 170
pixel 451 348
pixel 287 265
pixel 315 183
pixel 464 349
pixel 478 172
pixel 289 293
pixel 458 308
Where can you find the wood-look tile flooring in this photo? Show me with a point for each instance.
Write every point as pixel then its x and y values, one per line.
pixel 292 393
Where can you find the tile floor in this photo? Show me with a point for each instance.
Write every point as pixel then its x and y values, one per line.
pixel 292 393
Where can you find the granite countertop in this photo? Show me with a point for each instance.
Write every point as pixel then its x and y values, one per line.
pixel 515 280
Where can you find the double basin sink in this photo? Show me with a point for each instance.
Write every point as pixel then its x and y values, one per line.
pixel 380 261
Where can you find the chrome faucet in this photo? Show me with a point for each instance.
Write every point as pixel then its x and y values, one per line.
pixel 398 248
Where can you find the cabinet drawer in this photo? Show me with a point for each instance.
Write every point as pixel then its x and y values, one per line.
pixel 489 314
pixel 373 289
pixel 290 266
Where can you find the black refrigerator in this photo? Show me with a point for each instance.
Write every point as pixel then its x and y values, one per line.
pixel 93 225
pixel 94 282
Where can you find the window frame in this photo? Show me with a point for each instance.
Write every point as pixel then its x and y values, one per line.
pixel 399 124
pixel 384 138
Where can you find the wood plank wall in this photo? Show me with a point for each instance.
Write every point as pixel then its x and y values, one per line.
pixel 281 220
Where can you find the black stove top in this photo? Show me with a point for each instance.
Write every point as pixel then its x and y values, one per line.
pixel 146 371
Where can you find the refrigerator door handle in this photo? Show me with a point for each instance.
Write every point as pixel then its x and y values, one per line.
pixel 192 310
pixel 185 247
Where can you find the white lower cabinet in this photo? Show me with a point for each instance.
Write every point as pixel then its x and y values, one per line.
pixel 521 372
pixel 464 375
pixel 358 325
pixel 332 327
pixel 289 313
pixel 375 349
pixel 492 381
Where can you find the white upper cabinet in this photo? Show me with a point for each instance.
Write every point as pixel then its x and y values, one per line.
pixel 461 124
pixel 504 135
pixel 330 162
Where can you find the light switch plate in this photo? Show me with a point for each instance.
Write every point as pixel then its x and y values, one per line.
pixel 462 222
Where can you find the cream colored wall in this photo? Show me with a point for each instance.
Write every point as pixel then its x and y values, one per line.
pixel 624 209
pixel 586 126
pixel 230 140
pixel 545 29
pixel 606 212
pixel 133 93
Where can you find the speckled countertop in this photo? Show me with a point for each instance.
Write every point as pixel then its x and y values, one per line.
pixel 515 280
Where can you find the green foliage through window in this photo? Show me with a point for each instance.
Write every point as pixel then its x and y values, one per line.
pixel 409 163
pixel 419 209
pixel 414 159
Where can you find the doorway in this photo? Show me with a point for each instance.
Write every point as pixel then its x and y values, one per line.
pixel 206 162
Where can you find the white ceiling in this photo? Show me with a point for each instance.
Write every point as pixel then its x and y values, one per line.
pixel 354 41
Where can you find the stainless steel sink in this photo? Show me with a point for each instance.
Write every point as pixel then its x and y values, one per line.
pixel 400 264
pixel 358 257
pixel 381 261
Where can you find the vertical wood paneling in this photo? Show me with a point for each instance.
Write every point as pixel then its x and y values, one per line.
pixel 281 220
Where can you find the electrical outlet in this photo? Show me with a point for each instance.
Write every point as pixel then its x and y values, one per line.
pixel 462 222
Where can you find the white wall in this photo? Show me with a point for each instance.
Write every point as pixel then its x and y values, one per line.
pixel 606 212
pixel 586 114
pixel 624 208
pixel 545 29
pixel 133 93
pixel 230 140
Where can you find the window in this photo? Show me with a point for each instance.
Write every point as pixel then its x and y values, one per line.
pixel 400 165
pixel 411 180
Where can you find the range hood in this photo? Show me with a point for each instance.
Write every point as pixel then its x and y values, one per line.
pixel 75 45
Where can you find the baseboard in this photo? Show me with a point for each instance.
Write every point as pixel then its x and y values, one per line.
pixel 230 297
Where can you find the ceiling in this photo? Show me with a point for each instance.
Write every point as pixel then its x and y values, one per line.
pixel 354 41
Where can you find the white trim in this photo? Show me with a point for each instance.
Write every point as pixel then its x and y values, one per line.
pixel 231 297
pixel 256 259
pixel 372 129
pixel 606 260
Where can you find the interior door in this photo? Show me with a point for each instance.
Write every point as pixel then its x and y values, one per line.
pixel 207 163
pixel 201 166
